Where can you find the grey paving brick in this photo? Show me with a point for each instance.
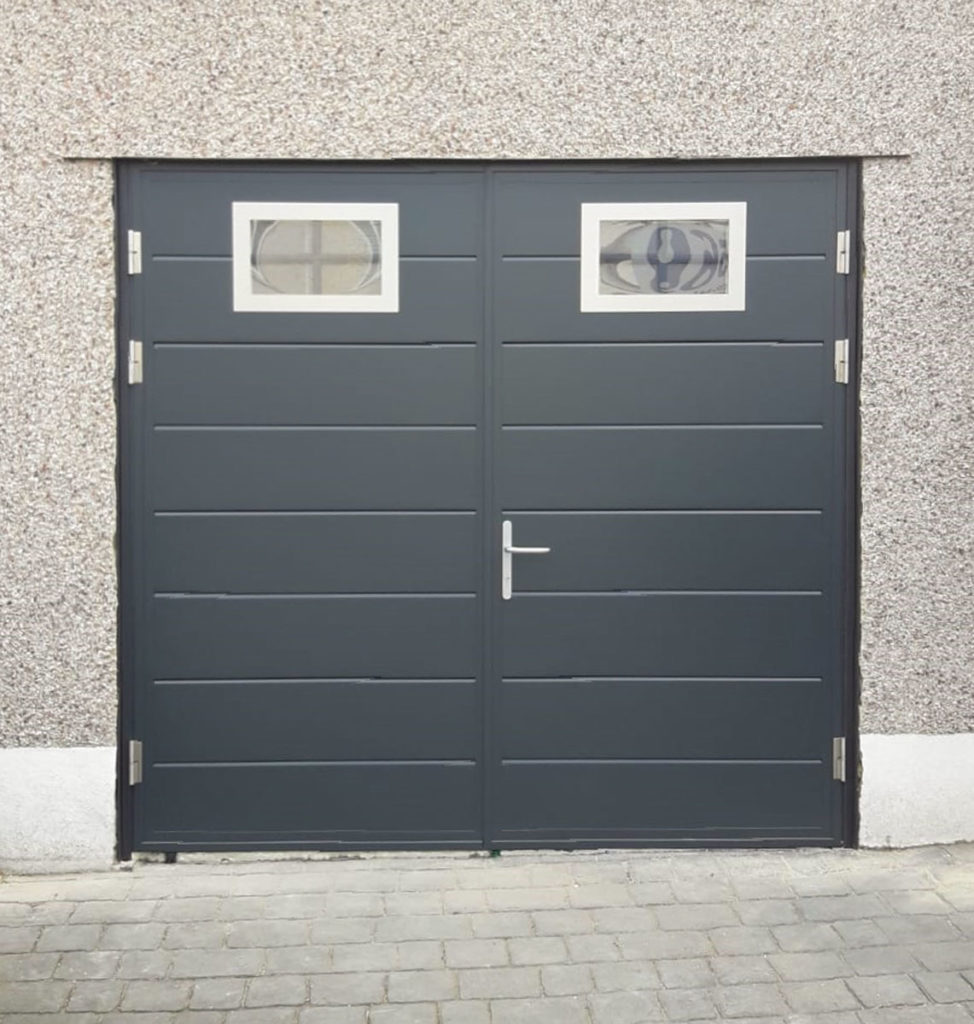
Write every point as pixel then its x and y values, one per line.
pixel 923 902
pixel 349 929
pixel 918 928
pixel 132 1018
pixel 652 893
pixel 87 966
pixel 131 936
pixel 499 926
pixel 347 989
pixel 860 933
pixel 964 923
pixel 566 979
pixel 297 906
pixel 762 888
pixel 144 964
pixel 945 956
pixel 67 937
pixel 689 973
pixel 33 996
pixel 689 1004
pixel 440 880
pixel 881 960
pixel 702 889
pixel 217 994
pixel 806 938
pixel 113 912
pixel 809 966
pixel 841 908
pixel 544 949
pixel 945 1014
pixel 592 948
pixel 751 1001
pixel 27 966
pixel 365 956
pixel 605 895
pixel 567 1010
pixel 887 990
pixel 500 983
pixel 216 963
pixel 631 976
pixel 679 917
pixel 157 995
pixel 413 903
pixel 190 908
pixel 406 1013
pixel 743 970
pixel 355 904
pixel 819 996
pixel 624 1007
pixel 254 934
pixel 423 955
pixel 663 945
pixel 465 901
pixel 242 908
pixel 36 1018
pixel 625 919
pixel 195 935
pixel 840 1017
pixel 404 929
pixel 945 986
pixel 476 953
pixel 767 912
pixel 265 1015
pixel 422 986
pixel 277 990
pixel 743 940
pixel 298 959
pixel 333 1015
pixel 563 922
pixel 95 996
pixel 466 1012
pixel 889 881
pixel 528 899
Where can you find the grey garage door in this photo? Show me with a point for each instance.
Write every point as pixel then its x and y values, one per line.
pixel 346 390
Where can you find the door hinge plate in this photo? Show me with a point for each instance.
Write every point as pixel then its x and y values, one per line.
pixel 135 252
pixel 843 254
pixel 838 758
pixel 842 360
pixel 135 762
pixel 135 362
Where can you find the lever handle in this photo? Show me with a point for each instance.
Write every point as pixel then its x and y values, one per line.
pixel 508 550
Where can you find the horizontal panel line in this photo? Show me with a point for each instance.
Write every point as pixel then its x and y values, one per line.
pixel 667 593
pixel 169 595
pixel 665 512
pixel 662 426
pixel 200 258
pixel 172 427
pixel 520 258
pixel 364 762
pixel 164 513
pixel 662 343
pixel 316 343
pixel 524 762
pixel 358 680
pixel 662 679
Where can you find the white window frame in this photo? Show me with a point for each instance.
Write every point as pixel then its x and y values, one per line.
pixel 246 301
pixel 593 301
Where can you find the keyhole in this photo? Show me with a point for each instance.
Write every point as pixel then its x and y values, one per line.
pixel 666 251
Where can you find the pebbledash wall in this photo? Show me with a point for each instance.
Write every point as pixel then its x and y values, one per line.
pixel 87 81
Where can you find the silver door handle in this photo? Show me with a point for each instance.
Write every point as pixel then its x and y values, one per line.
pixel 508 550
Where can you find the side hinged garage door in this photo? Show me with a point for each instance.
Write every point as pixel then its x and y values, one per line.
pixel 471 505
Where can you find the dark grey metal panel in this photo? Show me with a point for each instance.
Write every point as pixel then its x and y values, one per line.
pixel 663 383
pixel 264 804
pixel 192 300
pixel 312 720
pixel 310 384
pixel 315 552
pixel 681 718
pixel 677 468
pixel 301 637
pixel 688 634
pixel 575 800
pixel 439 214
pixel 303 468
pixel 538 300
pixel 672 551
pixel 788 214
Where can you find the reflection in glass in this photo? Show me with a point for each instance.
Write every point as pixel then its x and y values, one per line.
pixel 316 257
pixel 663 257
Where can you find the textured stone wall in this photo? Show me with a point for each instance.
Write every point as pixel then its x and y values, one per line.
pixel 84 82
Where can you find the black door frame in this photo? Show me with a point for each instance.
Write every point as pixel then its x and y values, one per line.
pixel 129 464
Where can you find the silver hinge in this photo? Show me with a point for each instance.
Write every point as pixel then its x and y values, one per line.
pixel 838 759
pixel 842 252
pixel 135 762
pixel 842 360
pixel 135 252
pixel 135 362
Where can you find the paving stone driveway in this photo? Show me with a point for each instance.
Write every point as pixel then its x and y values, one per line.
pixel 831 937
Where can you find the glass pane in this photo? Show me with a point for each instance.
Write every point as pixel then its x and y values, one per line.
pixel 316 257
pixel 663 257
